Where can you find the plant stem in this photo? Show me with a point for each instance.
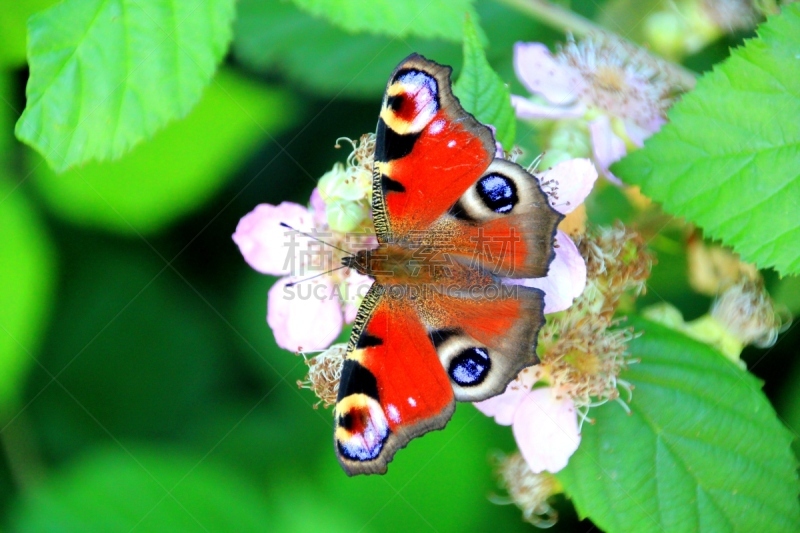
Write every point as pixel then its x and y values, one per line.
pixel 555 16
pixel 571 22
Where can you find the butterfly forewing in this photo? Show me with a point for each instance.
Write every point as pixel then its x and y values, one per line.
pixel 428 150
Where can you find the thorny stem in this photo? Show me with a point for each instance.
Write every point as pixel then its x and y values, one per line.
pixel 570 22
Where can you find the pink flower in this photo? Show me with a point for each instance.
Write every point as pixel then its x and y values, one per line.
pixel 307 316
pixel 546 430
pixel 304 317
pixel 260 235
pixel 620 91
pixel 545 425
pixel 607 148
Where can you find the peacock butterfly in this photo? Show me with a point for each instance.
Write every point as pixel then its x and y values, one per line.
pixel 438 324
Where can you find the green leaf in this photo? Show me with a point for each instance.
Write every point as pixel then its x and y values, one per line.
pixel 482 92
pixel 178 170
pixel 424 18
pixel 27 279
pixel 12 29
pixel 702 449
pixel 729 160
pixel 273 36
pixel 144 490
pixel 105 74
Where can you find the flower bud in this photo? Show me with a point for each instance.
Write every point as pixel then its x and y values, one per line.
pixel 344 215
pixel 571 136
pixel 345 183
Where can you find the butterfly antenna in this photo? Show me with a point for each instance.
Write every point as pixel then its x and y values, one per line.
pixel 285 225
pixel 293 283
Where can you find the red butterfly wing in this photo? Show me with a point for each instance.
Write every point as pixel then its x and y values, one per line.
pixel 428 150
pixel 393 387
pixel 503 223
pixel 409 358
pixel 485 337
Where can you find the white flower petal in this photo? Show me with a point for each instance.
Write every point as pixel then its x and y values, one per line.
pixel 607 147
pixel 264 243
pixel 306 316
pixel 503 406
pixel 528 109
pixel 573 181
pixel 546 430
pixel 541 74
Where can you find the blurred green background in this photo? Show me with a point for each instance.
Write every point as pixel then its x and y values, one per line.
pixel 140 387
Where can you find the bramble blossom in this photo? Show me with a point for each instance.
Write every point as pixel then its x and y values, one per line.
pixel 339 216
pixel 602 88
pixel 324 301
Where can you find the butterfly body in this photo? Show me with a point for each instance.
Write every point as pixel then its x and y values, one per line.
pixel 439 324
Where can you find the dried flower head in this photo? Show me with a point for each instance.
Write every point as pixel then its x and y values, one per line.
pixel 324 373
pixel 617 261
pixel 527 490
pixel 748 313
pixel 584 359
pixel 713 268
pixel 582 352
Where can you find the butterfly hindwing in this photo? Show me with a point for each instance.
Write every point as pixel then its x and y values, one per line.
pixel 503 223
pixel 393 387
pixel 428 150
pixel 403 373
pixel 484 339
